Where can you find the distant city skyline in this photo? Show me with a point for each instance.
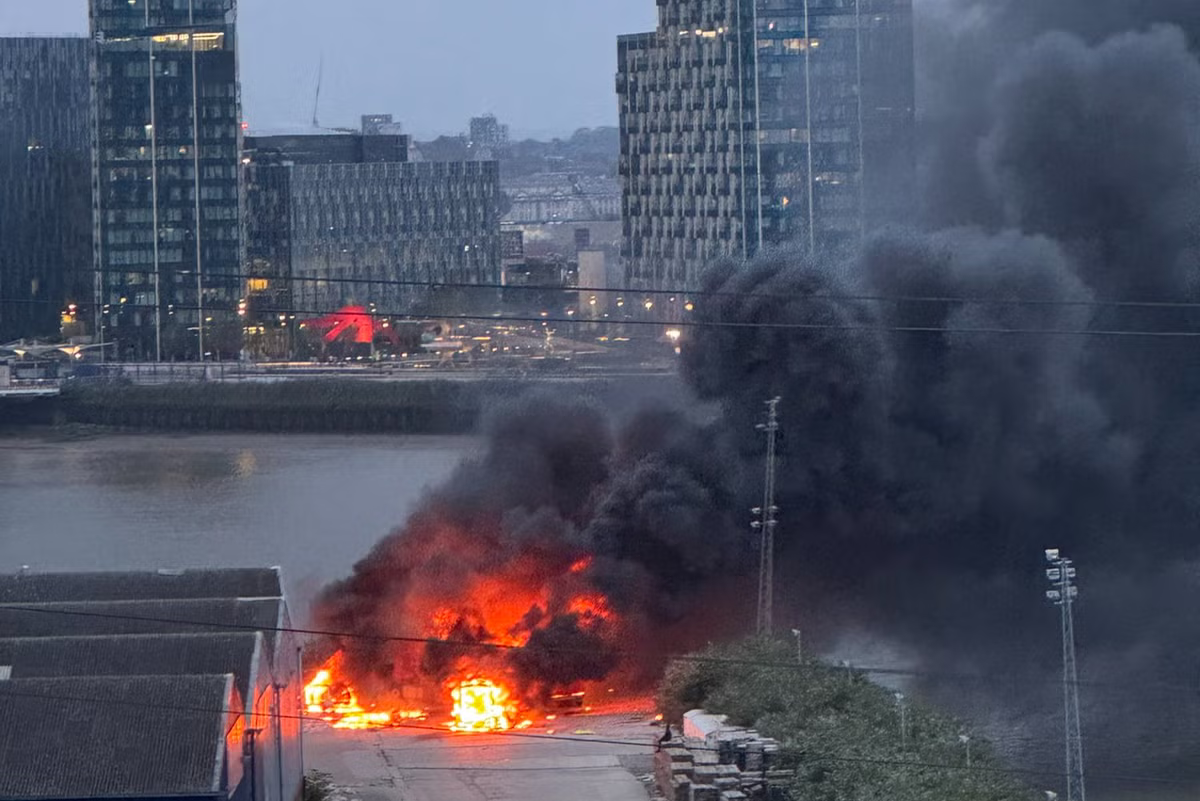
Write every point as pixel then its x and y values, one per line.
pixel 545 67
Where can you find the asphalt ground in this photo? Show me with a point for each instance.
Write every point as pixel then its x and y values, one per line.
pixel 602 757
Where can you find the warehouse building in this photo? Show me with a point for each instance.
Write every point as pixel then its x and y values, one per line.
pixel 175 684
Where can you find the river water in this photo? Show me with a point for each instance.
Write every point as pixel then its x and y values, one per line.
pixel 312 505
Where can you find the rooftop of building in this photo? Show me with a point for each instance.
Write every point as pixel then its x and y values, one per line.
pixel 300 130
pixel 127 685
pixel 329 147
pixel 647 37
pixel 146 585
pixel 114 737
pixel 109 618
pixel 136 655
pixel 35 35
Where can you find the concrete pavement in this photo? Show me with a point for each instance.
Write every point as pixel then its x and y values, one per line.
pixel 420 765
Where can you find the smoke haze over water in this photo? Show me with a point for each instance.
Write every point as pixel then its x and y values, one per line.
pixel 923 472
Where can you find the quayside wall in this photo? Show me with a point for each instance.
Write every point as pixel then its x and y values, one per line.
pixel 311 406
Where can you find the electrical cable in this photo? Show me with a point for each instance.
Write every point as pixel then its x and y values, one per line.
pixel 700 324
pixel 508 647
pixel 6 691
pixel 686 294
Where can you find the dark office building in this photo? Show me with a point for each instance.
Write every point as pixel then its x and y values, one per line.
pixel 267 236
pixel 269 165
pixel 750 123
pixel 319 147
pixel 340 215
pixel 45 178
pixel 167 239
pixel 377 124
pixel 487 133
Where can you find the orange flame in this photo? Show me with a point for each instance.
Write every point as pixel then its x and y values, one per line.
pixel 481 705
pixel 594 607
pixel 333 700
pixel 505 609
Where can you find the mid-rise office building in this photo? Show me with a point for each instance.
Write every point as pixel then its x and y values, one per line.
pixel 751 123
pixel 380 124
pixel 346 219
pixel 269 161
pixel 553 197
pixel 166 193
pixel 487 133
pixel 45 179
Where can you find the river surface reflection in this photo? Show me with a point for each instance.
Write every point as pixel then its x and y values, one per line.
pixel 311 504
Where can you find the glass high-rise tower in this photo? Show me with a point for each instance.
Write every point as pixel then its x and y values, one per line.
pixel 751 123
pixel 45 223
pixel 165 186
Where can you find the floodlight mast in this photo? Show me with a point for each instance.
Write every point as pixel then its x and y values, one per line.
pixel 766 525
pixel 1061 575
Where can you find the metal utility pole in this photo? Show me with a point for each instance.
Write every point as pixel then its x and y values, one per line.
pixel 1061 575
pixel 250 755
pixel 152 128
pixel 766 524
pixel 196 181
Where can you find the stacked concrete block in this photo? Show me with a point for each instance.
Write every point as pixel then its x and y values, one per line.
pixel 722 762
pixel 674 767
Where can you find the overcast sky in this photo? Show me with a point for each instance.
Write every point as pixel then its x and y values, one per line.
pixel 543 66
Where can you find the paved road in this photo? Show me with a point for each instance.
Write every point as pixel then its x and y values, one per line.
pixel 399 765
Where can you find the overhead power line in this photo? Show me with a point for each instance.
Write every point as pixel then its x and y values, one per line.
pixel 8 692
pixel 688 324
pixel 508 647
pixel 689 294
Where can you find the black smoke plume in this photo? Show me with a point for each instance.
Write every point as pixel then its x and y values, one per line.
pixel 931 448
pixel 592 543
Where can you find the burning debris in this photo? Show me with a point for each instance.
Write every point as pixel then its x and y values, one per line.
pixel 566 555
pixel 331 697
pixel 481 705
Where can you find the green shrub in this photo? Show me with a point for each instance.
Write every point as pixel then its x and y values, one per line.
pixel 839 732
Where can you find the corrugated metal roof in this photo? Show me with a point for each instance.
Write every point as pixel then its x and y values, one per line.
pixel 143 617
pixel 137 655
pixel 141 586
pixel 112 737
